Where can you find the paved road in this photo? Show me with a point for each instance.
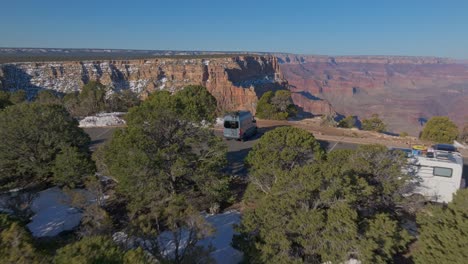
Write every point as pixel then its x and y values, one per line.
pixel 237 151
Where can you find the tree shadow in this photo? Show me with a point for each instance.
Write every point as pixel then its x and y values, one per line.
pixel 119 81
pixel 309 96
pixel 16 79
pixel 422 121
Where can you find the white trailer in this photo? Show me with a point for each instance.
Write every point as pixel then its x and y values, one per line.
pixel 438 176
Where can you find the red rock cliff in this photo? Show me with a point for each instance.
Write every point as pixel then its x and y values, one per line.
pixel 236 82
pixel 405 91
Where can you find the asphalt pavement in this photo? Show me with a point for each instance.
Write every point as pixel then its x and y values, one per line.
pixel 237 150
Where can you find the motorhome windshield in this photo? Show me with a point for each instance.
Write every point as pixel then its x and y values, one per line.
pixel 231 124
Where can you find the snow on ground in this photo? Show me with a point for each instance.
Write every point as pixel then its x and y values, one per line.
pixel 219 121
pixel 220 240
pixel 103 120
pixel 53 214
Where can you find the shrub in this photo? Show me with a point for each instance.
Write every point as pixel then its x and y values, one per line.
pixel 374 124
pixel 277 106
pixel 443 232
pixel 32 136
pixel 440 129
pixel 348 122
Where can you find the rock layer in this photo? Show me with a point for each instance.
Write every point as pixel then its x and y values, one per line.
pixel 236 82
pixel 405 91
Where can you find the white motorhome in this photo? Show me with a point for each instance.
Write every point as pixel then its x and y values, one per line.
pixel 439 175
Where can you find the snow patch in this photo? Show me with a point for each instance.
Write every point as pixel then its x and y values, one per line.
pixel 219 121
pixel 220 240
pixel 103 120
pixel 53 214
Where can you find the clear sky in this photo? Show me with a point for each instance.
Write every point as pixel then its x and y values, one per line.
pixel 329 27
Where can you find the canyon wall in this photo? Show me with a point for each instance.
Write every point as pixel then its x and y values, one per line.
pixel 404 91
pixel 237 82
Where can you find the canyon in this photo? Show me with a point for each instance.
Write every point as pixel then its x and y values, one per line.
pixel 404 91
pixel 236 82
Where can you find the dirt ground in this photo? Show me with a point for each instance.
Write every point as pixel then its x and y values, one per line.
pixel 345 135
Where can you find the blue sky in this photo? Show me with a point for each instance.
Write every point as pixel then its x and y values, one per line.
pixel 347 27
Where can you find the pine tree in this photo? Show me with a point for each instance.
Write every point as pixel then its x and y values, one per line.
pixel 444 232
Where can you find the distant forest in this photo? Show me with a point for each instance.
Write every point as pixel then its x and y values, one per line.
pixel 42 55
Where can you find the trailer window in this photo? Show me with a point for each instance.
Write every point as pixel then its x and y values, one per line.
pixel 444 172
pixel 231 124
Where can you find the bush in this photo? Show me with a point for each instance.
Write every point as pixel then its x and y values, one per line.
pixel 348 122
pixel 443 232
pixel 327 211
pixel 440 129
pixel 277 106
pixel 463 137
pixel 328 120
pixel 15 243
pixel 195 103
pixel 47 97
pixel 32 136
pixel 92 250
pixel 4 99
pixel 18 97
pixel 403 134
pixel 374 124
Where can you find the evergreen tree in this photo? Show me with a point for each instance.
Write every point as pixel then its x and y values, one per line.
pixel 443 232
pixel 71 166
pixel 32 136
pixel 16 244
pixel 195 103
pixel 47 97
pixel 374 124
pixel 440 129
pixel 168 170
pixel 18 97
pixel 4 99
pixel 276 105
pixel 281 149
pixel 92 98
pixel 348 122
pixel 92 250
pixel 332 210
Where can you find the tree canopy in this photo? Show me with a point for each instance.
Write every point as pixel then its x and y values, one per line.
pixel 331 210
pixel 47 97
pixel 167 167
pixel 443 232
pixel 16 245
pixel 281 149
pixel 4 99
pixel 440 129
pixel 348 122
pixel 276 105
pixel 374 124
pixel 32 138
pixel 98 250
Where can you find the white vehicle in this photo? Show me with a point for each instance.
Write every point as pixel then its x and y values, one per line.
pixel 439 175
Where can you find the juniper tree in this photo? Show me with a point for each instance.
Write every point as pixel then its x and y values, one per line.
pixel 443 232
pixel 332 210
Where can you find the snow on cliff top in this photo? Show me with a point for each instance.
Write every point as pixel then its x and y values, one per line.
pixel 103 120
